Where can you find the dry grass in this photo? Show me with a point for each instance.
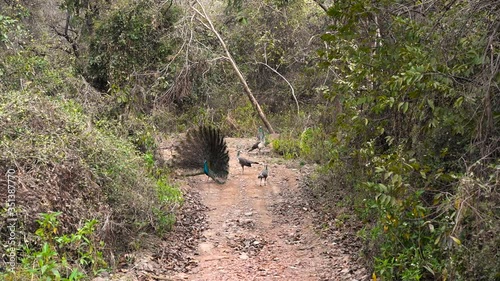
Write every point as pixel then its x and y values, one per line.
pixel 63 163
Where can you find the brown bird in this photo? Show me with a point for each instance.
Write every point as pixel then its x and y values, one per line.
pixel 244 162
pixel 263 175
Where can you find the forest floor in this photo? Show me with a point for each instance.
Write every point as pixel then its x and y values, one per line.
pixel 242 230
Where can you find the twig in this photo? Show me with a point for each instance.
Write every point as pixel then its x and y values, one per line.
pixel 290 85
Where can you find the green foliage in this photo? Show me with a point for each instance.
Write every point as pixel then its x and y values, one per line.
pixel 311 145
pixel 407 98
pixel 132 35
pixel 170 196
pixel 408 234
pixel 168 193
pixel 315 145
pixel 242 120
pixel 407 125
pixel 90 147
pixel 286 146
pixel 23 60
pixel 6 24
pixel 52 260
pixel 49 136
pixel 20 70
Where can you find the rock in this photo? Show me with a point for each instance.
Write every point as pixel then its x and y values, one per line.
pixel 244 256
pixel 345 271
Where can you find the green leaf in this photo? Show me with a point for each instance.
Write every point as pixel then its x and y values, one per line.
pixel 429 269
pixel 56 273
pixel 405 107
pixel 44 268
pixel 431 104
pixel 75 274
pixel 437 240
pixel 334 12
pixel 328 37
pixel 458 102
pixel 456 240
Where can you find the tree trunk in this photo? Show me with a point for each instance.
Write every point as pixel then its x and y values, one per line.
pixel 248 92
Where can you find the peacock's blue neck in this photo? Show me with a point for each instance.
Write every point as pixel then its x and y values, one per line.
pixel 205 167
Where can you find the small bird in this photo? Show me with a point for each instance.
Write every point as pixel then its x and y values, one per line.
pixel 260 145
pixel 244 162
pixel 261 140
pixel 203 151
pixel 263 175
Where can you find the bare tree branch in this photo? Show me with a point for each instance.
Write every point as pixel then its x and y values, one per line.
pixel 65 35
pixel 321 5
pixel 290 85
pixel 209 25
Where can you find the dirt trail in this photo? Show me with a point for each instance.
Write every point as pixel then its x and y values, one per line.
pixel 243 231
pixel 254 233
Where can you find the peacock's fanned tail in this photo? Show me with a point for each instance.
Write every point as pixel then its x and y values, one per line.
pixel 204 143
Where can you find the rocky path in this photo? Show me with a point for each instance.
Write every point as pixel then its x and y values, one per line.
pixel 250 232
pixel 260 232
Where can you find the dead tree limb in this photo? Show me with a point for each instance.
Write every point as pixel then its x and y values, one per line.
pixel 322 6
pixel 209 25
pixel 289 84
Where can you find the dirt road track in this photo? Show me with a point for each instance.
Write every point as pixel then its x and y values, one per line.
pixel 255 233
pixel 242 231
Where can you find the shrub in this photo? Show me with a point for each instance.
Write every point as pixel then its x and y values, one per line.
pixel 66 164
pixel 72 256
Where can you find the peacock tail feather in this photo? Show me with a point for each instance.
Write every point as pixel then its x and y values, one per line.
pixel 203 151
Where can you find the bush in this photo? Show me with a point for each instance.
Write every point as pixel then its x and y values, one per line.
pixel 68 257
pixel 66 164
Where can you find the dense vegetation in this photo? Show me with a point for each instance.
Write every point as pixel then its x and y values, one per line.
pixel 396 101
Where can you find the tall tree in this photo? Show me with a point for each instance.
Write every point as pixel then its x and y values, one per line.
pixel 207 22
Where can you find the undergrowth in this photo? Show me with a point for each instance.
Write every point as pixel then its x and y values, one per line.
pixel 421 222
pixel 66 164
pixel 52 256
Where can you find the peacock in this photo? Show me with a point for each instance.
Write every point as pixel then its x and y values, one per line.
pixel 263 175
pixel 260 134
pixel 244 162
pixel 261 142
pixel 260 145
pixel 203 151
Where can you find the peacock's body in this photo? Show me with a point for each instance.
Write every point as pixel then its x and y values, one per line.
pixel 261 140
pixel 203 151
pixel 260 134
pixel 260 145
pixel 244 162
pixel 263 176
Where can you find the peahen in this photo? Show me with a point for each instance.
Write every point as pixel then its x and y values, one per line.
pixel 261 143
pixel 244 162
pixel 203 151
pixel 263 175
